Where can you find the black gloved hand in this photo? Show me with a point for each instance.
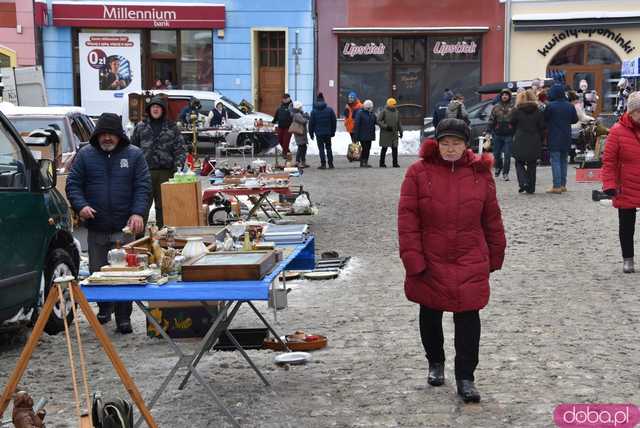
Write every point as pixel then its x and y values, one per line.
pixel 610 192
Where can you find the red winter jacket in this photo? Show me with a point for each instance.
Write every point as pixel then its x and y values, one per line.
pixel 621 163
pixel 450 230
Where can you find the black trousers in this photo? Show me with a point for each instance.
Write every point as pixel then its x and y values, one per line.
pixel 99 244
pixel 394 155
pixel 366 149
pixel 466 341
pixel 627 228
pixel 526 171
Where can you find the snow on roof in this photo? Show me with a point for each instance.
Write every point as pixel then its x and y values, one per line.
pixel 591 14
pixel 13 110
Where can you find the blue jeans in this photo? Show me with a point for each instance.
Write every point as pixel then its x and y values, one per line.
pixel 559 168
pixel 502 146
pixel 324 143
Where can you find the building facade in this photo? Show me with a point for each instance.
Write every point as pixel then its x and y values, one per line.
pixel 17 33
pixel 243 49
pixel 575 40
pixel 411 50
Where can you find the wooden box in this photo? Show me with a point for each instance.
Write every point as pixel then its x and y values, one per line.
pixel 182 204
pixel 181 320
pixel 230 266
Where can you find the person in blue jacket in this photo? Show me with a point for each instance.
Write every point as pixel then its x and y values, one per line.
pixel 440 109
pixel 559 115
pixel 109 187
pixel 365 131
pixel 322 127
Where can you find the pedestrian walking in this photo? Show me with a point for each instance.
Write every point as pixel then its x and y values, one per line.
pixel 440 109
pixel 163 148
pixel 299 130
pixel 502 133
pixel 451 237
pixel 322 127
pixel 365 131
pixel 109 187
pixel 620 172
pixel 350 112
pixel 528 126
pixel 283 119
pixel 559 115
pixel 390 130
pixel 456 109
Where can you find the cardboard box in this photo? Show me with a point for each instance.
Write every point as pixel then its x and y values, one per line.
pixel 182 204
pixel 182 320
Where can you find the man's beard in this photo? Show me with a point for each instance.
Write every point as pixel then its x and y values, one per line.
pixel 108 147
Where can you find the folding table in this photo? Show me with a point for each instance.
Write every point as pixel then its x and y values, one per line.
pixel 233 293
pixel 261 192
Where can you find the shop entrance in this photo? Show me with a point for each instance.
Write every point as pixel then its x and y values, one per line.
pixel 593 62
pixel 408 90
pixel 271 70
pixel 163 69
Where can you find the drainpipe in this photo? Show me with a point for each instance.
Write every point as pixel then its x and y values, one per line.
pixel 296 53
pixel 507 41
pixel 314 15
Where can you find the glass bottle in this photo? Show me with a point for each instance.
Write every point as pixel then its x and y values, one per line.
pixel 117 256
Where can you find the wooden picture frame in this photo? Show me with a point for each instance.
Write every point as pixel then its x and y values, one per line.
pixel 230 266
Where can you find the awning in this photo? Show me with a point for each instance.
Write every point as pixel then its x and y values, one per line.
pixel 110 14
pixel 408 30
pixel 40 13
pixel 575 20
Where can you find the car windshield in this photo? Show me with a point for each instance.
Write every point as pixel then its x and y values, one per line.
pixel 233 103
pixel 26 124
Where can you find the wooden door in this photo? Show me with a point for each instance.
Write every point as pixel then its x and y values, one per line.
pixel 271 71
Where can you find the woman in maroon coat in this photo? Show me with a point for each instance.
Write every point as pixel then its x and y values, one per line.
pixel 621 174
pixel 451 238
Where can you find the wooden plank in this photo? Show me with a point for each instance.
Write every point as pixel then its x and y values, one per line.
pixel 181 204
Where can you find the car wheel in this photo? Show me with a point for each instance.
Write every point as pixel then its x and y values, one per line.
pixel 59 263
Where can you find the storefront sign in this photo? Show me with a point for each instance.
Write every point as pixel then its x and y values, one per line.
pixel 109 67
pixel 137 15
pixel 444 48
pixel 588 32
pixel 351 49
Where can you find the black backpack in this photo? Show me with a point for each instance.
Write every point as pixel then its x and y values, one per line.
pixel 116 413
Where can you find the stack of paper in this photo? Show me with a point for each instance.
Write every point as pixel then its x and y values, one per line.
pixel 286 233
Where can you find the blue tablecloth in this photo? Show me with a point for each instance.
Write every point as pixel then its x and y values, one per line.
pixel 302 258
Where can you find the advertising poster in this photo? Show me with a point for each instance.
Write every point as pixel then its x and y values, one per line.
pixel 109 69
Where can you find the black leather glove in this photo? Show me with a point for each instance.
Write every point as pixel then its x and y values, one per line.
pixel 610 192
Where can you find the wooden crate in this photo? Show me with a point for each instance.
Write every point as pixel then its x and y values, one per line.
pixel 182 204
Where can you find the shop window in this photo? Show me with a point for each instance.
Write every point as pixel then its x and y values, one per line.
pixel 370 82
pixel 410 51
pixel 571 55
pixel 271 48
pixel 196 55
pixel 164 44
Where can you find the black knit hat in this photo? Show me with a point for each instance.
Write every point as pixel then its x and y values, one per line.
pixel 109 123
pixel 453 128
pixel 320 97
pixel 159 101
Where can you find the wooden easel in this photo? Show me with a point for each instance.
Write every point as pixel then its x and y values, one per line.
pixel 107 346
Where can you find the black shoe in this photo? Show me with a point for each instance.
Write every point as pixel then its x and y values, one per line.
pixel 468 391
pixel 103 317
pixel 498 171
pixel 395 165
pixel 382 165
pixel 322 167
pixel 521 190
pixel 436 374
pixel 331 166
pixel 124 327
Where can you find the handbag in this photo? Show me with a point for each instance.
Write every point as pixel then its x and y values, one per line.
pixel 116 413
pixel 296 128
pixel 354 151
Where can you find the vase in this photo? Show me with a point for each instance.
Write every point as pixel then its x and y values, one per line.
pixel 194 248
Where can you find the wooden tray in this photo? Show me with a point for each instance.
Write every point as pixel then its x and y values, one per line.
pixel 273 344
pixel 230 266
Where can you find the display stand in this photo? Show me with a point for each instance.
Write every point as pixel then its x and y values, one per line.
pixel 107 346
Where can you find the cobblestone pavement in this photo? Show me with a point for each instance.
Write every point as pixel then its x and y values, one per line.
pixel 561 326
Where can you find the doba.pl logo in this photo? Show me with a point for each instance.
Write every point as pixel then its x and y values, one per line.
pixel 596 415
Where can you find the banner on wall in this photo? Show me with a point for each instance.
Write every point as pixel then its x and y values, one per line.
pixel 109 68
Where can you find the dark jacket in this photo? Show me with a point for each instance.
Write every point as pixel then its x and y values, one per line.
pixel 528 125
pixel 283 116
pixel 440 109
pixel 322 122
pixel 365 125
pixel 164 149
pixel 500 118
pixel 559 115
pixel 115 184
pixel 390 127
pixel 217 117
pixel 302 118
pixel 450 230
pixel 456 110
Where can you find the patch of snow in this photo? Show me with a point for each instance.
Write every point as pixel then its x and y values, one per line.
pixel 408 145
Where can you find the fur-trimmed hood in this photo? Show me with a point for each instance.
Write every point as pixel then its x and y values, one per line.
pixel 480 163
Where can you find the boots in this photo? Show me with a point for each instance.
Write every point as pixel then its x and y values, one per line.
pixel 436 374
pixel 468 391
pixel 627 265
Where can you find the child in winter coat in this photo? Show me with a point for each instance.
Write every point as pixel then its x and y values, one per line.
pixel 301 118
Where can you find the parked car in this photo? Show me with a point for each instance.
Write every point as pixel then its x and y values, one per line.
pixel 74 125
pixel 478 116
pixel 36 242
